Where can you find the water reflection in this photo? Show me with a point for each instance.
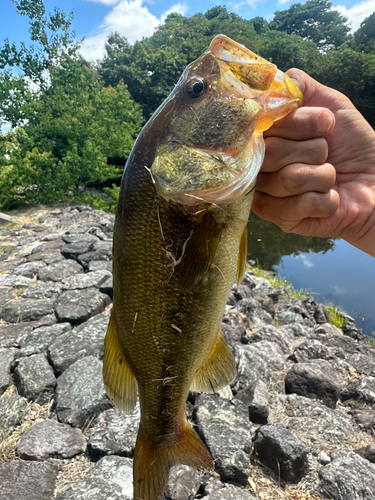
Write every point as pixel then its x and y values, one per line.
pixel 344 275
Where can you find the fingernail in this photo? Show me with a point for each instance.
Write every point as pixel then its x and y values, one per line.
pixel 326 122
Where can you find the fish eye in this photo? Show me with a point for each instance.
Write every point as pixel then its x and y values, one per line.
pixel 196 87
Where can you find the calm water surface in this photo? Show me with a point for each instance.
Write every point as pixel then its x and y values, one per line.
pixel 332 270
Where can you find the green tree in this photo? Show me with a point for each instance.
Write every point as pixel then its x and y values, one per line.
pixel 365 35
pixel 152 67
pixel 314 20
pixel 52 39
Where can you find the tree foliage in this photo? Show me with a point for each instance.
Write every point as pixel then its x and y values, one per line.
pixel 315 21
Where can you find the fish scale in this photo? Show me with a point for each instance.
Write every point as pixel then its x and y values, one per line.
pixel 179 244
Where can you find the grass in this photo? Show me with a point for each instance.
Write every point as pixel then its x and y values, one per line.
pixel 276 280
pixel 336 317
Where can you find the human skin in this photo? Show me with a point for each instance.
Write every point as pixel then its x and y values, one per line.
pixel 318 176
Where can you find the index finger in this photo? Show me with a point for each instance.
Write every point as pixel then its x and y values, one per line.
pixel 304 123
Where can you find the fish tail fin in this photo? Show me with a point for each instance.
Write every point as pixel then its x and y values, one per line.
pixel 152 462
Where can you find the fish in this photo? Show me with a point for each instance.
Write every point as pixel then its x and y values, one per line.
pixel 180 242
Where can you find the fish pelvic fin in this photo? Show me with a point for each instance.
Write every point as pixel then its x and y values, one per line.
pixel 119 379
pixel 242 257
pixel 153 461
pixel 218 370
pixel 199 253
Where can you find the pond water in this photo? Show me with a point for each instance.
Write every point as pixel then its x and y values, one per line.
pixel 331 269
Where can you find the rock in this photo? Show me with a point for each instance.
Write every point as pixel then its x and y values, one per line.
pixel 85 340
pixel 321 314
pixel 13 410
pixel 49 439
pixel 319 427
pixel 27 480
pixel 359 391
pixel 114 433
pixel 51 257
pixel 86 280
pixel 43 290
pixel 76 306
pixel 211 482
pixel 282 452
pixel 110 479
pixel 367 452
pixel 14 281
pixel 294 314
pixel 6 294
pixel 38 340
pixel 47 246
pixel 96 265
pixel 29 269
pixel 225 428
pixel 314 379
pixel 350 477
pixel 254 311
pixel 230 493
pixel 251 367
pixel 271 352
pixel 107 287
pixel 60 270
pixel 80 394
pixel 270 333
pixel 312 349
pixel 364 420
pixel 183 483
pixel 72 250
pixel 6 359
pixel 256 398
pixel 13 335
pixel 363 363
pixel 35 379
pixel 27 309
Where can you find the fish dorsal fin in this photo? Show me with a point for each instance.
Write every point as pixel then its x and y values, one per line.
pixel 199 253
pixel 119 379
pixel 242 257
pixel 218 370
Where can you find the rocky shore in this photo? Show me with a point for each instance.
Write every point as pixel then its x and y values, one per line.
pixel 297 423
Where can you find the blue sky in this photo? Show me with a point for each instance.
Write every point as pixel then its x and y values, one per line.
pixel 96 19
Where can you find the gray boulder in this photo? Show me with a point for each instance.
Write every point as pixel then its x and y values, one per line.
pixel 183 483
pixel 6 359
pixel 13 411
pixel 60 270
pixel 80 394
pixel 27 309
pixel 314 379
pixel 282 452
pixel 27 480
pixel 35 379
pixel 49 439
pixel 77 306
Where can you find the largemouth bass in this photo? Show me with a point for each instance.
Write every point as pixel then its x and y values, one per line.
pixel 180 242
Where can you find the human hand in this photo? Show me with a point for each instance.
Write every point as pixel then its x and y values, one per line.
pixel 318 176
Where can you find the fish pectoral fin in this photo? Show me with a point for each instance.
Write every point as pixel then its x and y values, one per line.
pixel 199 253
pixel 119 379
pixel 153 461
pixel 242 257
pixel 218 370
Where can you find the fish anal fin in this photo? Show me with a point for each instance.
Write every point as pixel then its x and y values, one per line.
pixel 242 257
pixel 119 379
pixel 218 370
pixel 199 252
pixel 153 461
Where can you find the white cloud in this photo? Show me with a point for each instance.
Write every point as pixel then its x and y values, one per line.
pixel 305 261
pixel 357 13
pixel 106 2
pixel 5 127
pixel 339 290
pixel 130 18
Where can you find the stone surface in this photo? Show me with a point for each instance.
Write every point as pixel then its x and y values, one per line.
pixel 314 379
pixel 282 452
pixel 350 477
pixel 49 439
pixel 38 340
pixel 85 340
pixel 251 367
pixel 110 479
pixel 60 270
pixel 80 394
pixel 29 269
pixel 43 290
pixel 35 379
pixel 86 280
pixel 14 281
pixel 27 480
pixel 13 410
pixel 367 452
pixel 230 493
pixel 359 391
pixel 256 398
pixel 77 306
pixel 6 358
pixel 183 483
pixel 27 309
pixel 114 433
pixel 226 430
